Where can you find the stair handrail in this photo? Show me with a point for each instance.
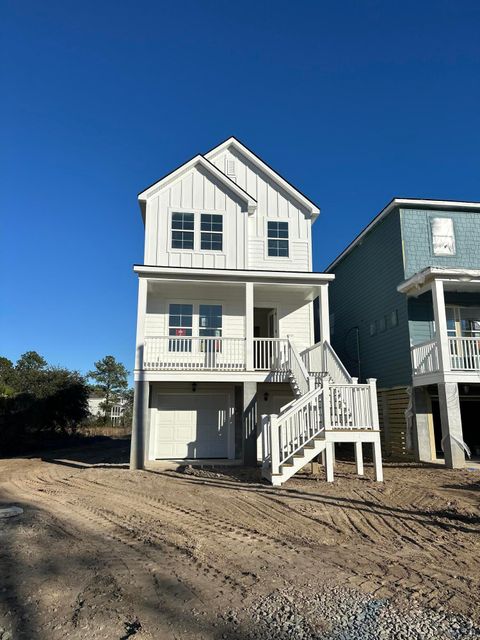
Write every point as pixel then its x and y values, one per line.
pixel 286 439
pixel 334 366
pixel 297 367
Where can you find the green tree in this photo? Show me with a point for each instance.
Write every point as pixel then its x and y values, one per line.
pixel 30 373
pixel 7 377
pixel 111 378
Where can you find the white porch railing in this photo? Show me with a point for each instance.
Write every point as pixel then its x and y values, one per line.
pixel 425 358
pixel 352 406
pixel 297 369
pixel 184 353
pixel 464 354
pixel 270 354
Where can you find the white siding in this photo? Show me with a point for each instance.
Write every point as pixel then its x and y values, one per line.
pixel 274 204
pixel 230 297
pixel 196 192
pixel 295 314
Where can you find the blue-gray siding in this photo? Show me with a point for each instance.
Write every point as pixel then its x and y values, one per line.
pixel 417 240
pixel 364 294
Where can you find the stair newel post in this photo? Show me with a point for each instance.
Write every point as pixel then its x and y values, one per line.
pixel 372 383
pixel 274 444
pixel 326 403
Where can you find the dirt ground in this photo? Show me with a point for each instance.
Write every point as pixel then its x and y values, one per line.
pixel 102 552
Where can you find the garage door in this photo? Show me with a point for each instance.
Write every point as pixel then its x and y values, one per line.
pixel 193 426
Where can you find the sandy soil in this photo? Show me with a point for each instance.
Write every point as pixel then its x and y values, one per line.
pixel 101 552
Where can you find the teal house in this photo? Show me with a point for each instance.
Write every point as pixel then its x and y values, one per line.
pixel 405 309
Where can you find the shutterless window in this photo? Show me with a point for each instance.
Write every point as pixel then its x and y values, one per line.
pixel 180 327
pixel 443 237
pixel 210 320
pixel 182 230
pixel 211 232
pixel 278 239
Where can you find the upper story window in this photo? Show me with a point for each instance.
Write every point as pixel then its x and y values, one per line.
pixel 278 238
pixel 443 237
pixel 180 323
pixel 211 230
pixel 182 230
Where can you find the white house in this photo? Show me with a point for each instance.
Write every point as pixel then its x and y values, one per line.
pixel 227 369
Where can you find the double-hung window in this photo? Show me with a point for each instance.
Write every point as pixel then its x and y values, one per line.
pixel 277 239
pixel 182 230
pixel 180 327
pixel 211 230
pixel 210 326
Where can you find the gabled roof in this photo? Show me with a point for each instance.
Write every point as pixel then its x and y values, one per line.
pixel 407 203
pixel 210 168
pixel 263 166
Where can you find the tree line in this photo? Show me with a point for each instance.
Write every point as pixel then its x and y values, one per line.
pixel 39 401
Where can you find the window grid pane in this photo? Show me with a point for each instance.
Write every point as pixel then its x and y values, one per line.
pixel 182 230
pixel 180 326
pixel 211 226
pixel 277 239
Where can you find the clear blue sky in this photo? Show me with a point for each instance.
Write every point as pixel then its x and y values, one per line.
pixel 353 102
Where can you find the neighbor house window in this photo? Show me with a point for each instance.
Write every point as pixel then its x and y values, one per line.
pixel 278 239
pixel 443 237
pixel 394 318
pixel 211 232
pixel 180 327
pixel 182 230
pixel 373 328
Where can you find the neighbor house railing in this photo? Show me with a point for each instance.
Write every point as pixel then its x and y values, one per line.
pixel 425 358
pixel 464 354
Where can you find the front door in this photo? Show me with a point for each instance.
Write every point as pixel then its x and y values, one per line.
pixel 272 324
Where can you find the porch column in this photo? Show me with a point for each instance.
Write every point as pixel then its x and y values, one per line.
pixel 249 423
pixel 139 425
pixel 440 316
pixel 324 313
pixel 249 326
pixel 140 401
pixel 451 420
pixel 423 438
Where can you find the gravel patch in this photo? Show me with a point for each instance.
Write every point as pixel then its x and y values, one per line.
pixel 336 613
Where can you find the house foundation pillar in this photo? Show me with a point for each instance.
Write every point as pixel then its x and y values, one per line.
pixel 139 425
pixel 451 420
pixel 423 445
pixel 249 418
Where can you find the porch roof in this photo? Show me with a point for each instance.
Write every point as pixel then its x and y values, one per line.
pixel 453 279
pixel 233 275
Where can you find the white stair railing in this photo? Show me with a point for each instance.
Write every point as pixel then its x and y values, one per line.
pixel 334 366
pixel 297 369
pixel 285 434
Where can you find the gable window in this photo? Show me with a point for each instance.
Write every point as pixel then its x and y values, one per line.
pixel 180 318
pixel 277 239
pixel 211 230
pixel 443 237
pixel 182 230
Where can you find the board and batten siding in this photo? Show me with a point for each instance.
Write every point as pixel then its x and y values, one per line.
pixel 364 293
pixel 197 192
pixel 273 203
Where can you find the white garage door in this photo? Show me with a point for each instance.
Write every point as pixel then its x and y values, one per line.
pixel 191 426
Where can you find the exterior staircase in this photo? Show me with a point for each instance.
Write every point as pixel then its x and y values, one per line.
pixel 329 406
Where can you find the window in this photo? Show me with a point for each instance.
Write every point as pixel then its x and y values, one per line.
pixel 180 326
pixel 383 324
pixel 394 318
pixel 443 237
pixel 373 328
pixel 210 320
pixel 211 232
pixel 182 230
pixel 278 239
